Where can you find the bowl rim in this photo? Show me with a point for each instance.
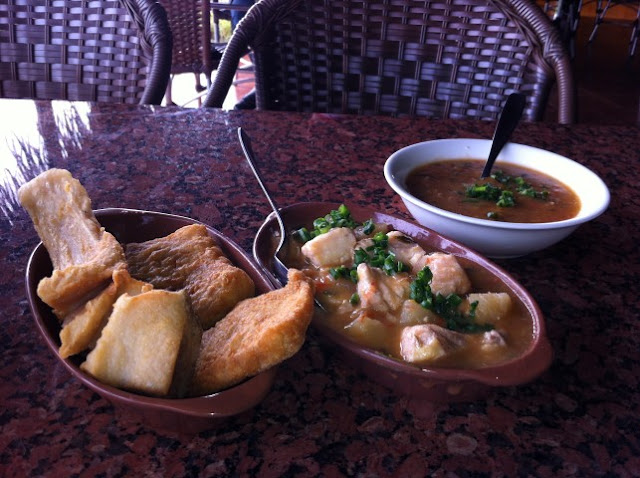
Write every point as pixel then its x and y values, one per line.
pixel 398 186
pixel 197 407
pixel 534 361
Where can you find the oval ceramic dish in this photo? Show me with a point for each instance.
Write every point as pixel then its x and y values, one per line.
pixel 189 415
pixel 494 238
pixel 434 384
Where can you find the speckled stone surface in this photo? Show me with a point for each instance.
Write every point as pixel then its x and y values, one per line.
pixel 578 419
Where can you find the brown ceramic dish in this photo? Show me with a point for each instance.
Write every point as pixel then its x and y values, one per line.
pixel 188 415
pixel 434 384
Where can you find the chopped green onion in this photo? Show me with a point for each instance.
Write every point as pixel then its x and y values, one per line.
pixel 368 227
pixel 339 272
pixel 446 307
pixel 303 234
pixel 381 240
pixel 483 191
pixel 376 255
pixel 499 176
pixel 360 256
pixel 340 217
pixel 506 199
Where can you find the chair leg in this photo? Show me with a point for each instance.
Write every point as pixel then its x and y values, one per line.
pixel 547 5
pixel 600 13
pixel 633 43
pixel 574 16
pixel 199 86
pixel 566 18
pixel 168 91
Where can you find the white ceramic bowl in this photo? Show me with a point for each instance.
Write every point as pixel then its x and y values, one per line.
pixel 493 238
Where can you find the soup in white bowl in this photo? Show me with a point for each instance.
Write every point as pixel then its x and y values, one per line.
pixel 491 237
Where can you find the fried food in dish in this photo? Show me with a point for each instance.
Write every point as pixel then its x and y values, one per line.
pixel 81 329
pixel 139 313
pixel 149 345
pixel 189 258
pixel 83 255
pixel 257 334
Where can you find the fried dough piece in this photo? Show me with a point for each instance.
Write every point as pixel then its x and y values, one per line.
pixel 128 285
pixel 83 255
pixel 149 345
pixel 257 334
pixel 81 329
pixel 189 258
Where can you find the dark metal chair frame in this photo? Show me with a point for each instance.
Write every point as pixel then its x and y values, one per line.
pixel 603 6
pixel 565 14
pixel 441 59
pixel 107 51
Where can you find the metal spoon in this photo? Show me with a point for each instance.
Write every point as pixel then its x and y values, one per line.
pixel 509 118
pixel 280 269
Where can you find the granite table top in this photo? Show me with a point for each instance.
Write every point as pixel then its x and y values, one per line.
pixel 321 417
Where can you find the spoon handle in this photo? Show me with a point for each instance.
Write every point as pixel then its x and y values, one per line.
pixel 507 123
pixel 245 142
pixel 279 267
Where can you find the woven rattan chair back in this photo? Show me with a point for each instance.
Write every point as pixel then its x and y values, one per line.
pixel 190 23
pixel 84 50
pixel 432 58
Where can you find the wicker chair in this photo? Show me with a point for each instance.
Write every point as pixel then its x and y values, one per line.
pixel 106 51
pixel 193 51
pixel 445 59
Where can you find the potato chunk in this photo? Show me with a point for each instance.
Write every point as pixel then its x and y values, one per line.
pixel 492 306
pixel 368 331
pixel 150 344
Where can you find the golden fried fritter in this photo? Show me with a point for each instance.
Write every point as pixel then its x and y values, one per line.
pixel 149 344
pixel 257 334
pixel 189 258
pixel 81 328
pixel 128 285
pixel 83 255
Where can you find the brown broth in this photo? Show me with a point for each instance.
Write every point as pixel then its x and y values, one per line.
pixel 443 184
